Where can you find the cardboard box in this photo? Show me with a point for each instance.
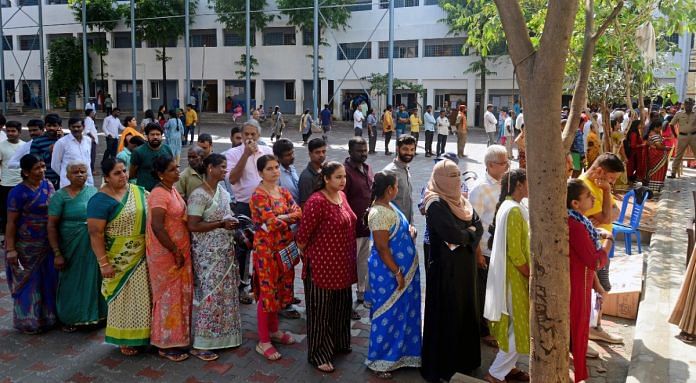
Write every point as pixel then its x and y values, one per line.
pixel 626 276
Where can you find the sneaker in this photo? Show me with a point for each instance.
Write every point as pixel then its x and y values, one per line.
pixel 597 333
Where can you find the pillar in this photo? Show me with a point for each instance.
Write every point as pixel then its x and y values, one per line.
pixel 471 101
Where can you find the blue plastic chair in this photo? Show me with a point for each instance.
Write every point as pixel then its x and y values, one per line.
pixel 632 228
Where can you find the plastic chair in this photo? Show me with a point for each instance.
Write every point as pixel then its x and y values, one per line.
pixel 632 228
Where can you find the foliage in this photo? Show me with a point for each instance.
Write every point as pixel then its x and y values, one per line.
pixel 64 71
pixel 230 13
pixel 102 15
pixel 378 84
pixel 336 14
pixel 253 62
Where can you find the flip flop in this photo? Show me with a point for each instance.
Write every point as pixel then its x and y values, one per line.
pixel 269 353
pixel 285 339
pixel 204 355
pixel 129 351
pixel 174 355
pixel 517 375
pixel 291 314
pixel 68 329
pixel 329 368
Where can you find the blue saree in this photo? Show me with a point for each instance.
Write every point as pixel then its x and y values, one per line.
pixel 395 333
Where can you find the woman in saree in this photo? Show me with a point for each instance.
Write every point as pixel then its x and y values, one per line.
pixel 616 138
pixel 168 249
pixel 634 147
pixel 594 145
pixel 116 218
pixel 274 212
pixel 79 301
pixel 216 319
pixel 31 276
pixel 395 334
pixel 657 160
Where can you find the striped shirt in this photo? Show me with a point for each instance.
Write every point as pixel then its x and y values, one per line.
pixel 43 148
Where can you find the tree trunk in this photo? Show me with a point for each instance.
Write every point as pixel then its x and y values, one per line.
pixel 484 101
pixel 164 75
pixel 549 290
pixel 606 122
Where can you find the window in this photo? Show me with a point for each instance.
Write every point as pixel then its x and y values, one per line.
pixel 289 91
pixel 7 43
pixel 384 4
pixel 203 38
pixel 5 3
pixel 432 2
pixel 123 40
pixel 352 51
pixel 402 49
pixel 94 38
pixel 56 2
pixel 155 89
pixel 307 37
pixel 28 42
pixel 171 43
pixel 27 2
pixel 279 36
pixel 56 36
pixel 234 39
pixel 443 47
pixel 361 5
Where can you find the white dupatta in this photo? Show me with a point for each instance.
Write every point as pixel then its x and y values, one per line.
pixel 496 288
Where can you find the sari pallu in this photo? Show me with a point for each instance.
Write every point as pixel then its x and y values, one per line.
pixel 33 284
pixel 216 318
pixel 79 300
pixel 128 292
pixel 395 334
pixel 657 163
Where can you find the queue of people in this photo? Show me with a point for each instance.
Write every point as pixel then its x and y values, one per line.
pixel 158 261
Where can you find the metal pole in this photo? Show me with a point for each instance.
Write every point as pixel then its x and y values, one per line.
pixel 134 83
pixel 247 85
pixel 187 86
pixel 2 65
pixel 315 82
pixel 42 60
pixel 85 70
pixel 390 70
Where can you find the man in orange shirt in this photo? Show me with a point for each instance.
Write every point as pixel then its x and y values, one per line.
pixel 387 128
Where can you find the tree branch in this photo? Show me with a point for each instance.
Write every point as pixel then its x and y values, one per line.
pixel 516 32
pixel 603 28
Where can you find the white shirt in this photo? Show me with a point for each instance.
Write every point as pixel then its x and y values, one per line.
pixel 111 126
pixel 90 127
pixel 443 125
pixel 3 136
pixel 509 130
pixel 68 149
pixel 90 105
pixel 244 188
pixel 490 123
pixel 483 198
pixel 9 176
pixel 585 133
pixel 19 153
pixel 358 119
pixel 519 121
pixel 429 122
pixel 600 123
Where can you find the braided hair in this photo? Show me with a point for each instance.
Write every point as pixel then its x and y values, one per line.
pixel 510 182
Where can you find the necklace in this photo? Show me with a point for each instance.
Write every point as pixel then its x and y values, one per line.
pixel 210 188
pixel 168 188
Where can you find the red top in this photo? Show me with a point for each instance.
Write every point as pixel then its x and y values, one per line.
pixel 328 230
pixel 584 260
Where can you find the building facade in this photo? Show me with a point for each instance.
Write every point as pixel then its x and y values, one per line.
pixel 424 53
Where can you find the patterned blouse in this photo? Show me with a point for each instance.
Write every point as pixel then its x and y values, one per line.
pixel 328 230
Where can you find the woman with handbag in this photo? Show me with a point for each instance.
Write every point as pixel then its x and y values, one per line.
pixel 327 237
pixel 273 212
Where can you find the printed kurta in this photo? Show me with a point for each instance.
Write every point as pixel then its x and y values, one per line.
pixel 272 286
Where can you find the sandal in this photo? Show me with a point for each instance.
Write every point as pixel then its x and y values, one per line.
pixel 326 368
pixel 686 338
pixel 174 355
pixel 68 329
pixel 383 374
pixel 204 355
pixel 490 341
pixel 291 314
pixel 270 354
pixel 285 339
pixel 517 375
pixel 245 300
pixel 129 351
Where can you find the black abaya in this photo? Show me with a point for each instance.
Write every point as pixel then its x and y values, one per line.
pixel 451 341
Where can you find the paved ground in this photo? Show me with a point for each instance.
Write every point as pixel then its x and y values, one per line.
pixel 83 357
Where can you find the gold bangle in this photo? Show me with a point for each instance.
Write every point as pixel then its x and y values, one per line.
pixel 104 264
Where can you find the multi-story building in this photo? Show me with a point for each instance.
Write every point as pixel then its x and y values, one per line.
pixel 424 53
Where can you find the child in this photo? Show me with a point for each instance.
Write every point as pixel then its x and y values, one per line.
pixel 586 256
